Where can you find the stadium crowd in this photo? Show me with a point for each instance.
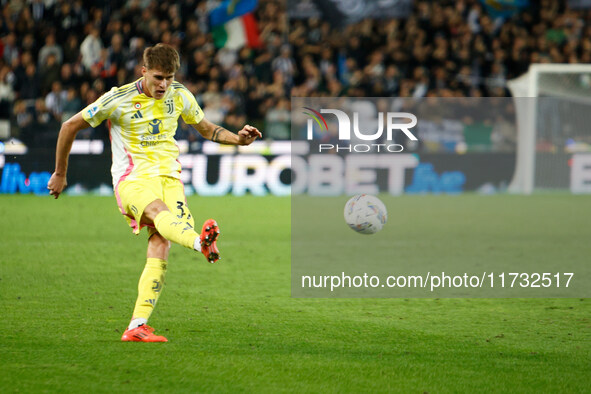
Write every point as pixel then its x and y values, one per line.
pixel 445 48
pixel 56 56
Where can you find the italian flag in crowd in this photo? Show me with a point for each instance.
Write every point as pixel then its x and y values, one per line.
pixel 233 25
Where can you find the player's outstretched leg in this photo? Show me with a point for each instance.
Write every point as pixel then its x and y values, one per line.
pixel 208 239
pixel 177 230
pixel 181 231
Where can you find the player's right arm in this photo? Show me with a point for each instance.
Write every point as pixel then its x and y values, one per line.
pixel 91 116
pixel 68 132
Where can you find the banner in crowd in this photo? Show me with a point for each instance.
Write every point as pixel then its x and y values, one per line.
pixel 233 25
pixel 504 8
pixel 344 12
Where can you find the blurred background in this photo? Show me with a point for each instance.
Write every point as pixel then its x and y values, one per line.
pixel 244 60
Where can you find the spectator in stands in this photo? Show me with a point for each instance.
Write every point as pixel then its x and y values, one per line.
pixel 30 88
pixel 24 117
pixel 28 44
pixel 19 67
pixel 24 23
pixel 277 121
pixel 105 69
pixel 45 125
pixel 6 91
pixel 72 104
pixel 49 73
pixel 39 10
pixel 67 76
pixel 90 49
pixel 71 50
pixel 55 100
pixel 117 53
pixel 262 66
pixel 11 50
pixel 50 48
pixel 285 64
pixel 69 19
pixel 212 103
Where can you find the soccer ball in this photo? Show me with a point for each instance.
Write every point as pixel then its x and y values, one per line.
pixel 365 214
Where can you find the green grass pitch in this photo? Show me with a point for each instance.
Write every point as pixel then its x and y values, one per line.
pixel 68 275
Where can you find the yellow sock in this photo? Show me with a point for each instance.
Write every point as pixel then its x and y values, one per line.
pixel 175 229
pixel 149 287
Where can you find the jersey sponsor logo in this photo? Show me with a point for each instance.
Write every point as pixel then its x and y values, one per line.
pixel 137 115
pixel 91 112
pixel 154 126
pixel 169 106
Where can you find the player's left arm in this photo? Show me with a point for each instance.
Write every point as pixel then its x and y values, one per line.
pixel 218 134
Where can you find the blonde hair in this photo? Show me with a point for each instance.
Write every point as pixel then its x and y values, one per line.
pixel 162 57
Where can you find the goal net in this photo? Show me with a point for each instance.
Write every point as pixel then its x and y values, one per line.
pixel 553 106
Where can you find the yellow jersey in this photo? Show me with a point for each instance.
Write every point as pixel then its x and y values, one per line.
pixel 142 128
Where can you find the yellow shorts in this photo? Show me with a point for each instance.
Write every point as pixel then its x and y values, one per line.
pixel 133 196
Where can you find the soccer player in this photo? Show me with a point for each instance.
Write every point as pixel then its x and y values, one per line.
pixel 143 119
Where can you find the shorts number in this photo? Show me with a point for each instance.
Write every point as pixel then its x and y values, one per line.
pixel 180 206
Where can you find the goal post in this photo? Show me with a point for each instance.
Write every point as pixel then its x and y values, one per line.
pixel 553 111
